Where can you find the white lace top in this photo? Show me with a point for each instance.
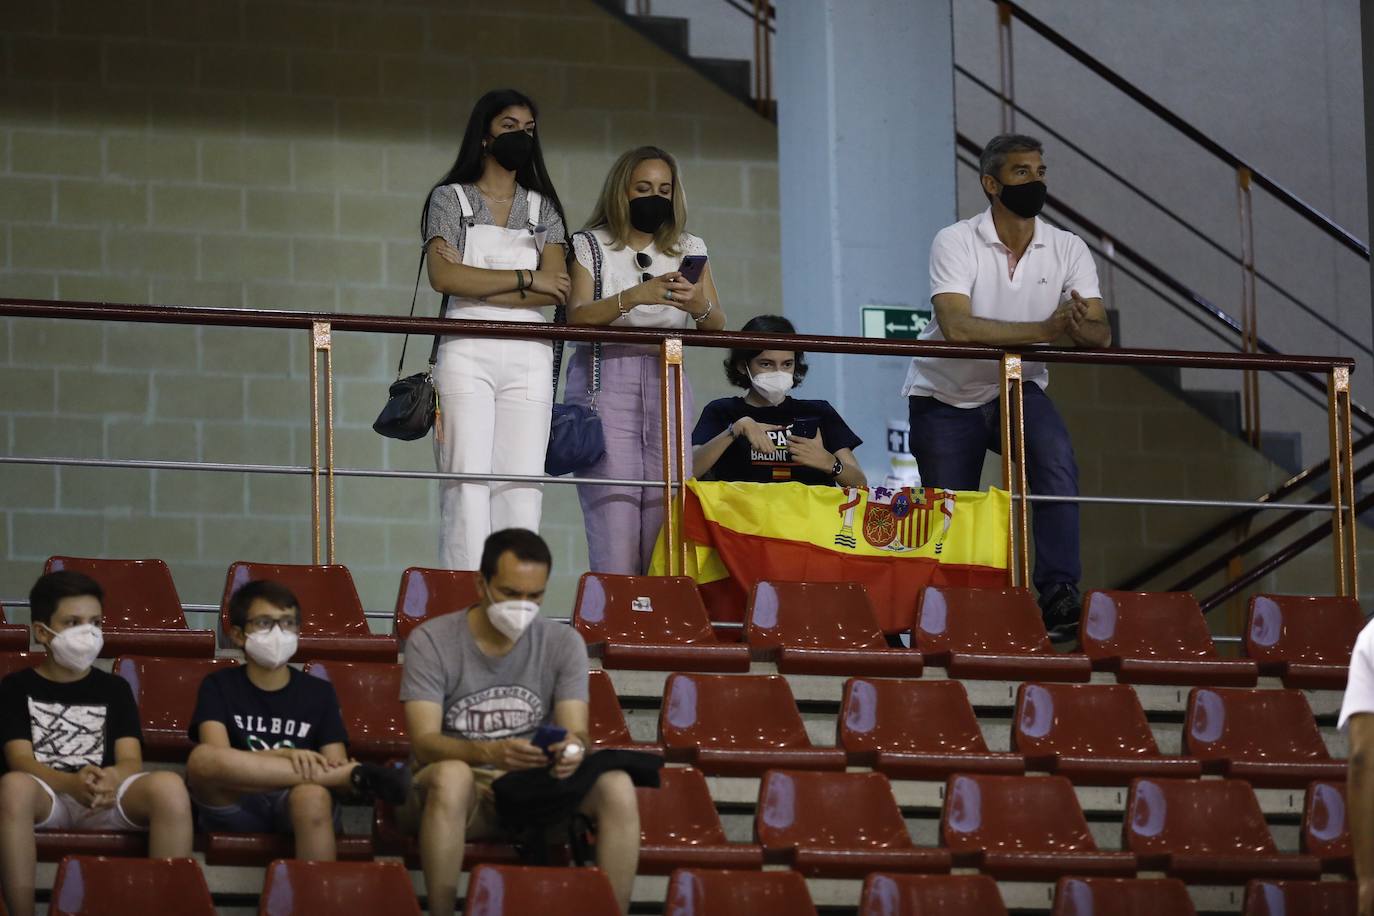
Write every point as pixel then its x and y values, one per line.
pixel 619 272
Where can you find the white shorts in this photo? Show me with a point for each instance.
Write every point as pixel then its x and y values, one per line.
pixel 69 814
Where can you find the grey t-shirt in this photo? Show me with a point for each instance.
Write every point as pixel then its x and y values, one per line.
pixel 445 216
pixel 485 698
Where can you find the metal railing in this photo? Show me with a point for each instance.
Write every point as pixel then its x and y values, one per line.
pixel 670 343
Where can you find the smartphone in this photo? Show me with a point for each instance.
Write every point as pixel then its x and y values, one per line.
pixel 805 427
pixel 691 267
pixel 546 736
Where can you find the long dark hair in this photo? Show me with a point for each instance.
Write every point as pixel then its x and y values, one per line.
pixel 467 168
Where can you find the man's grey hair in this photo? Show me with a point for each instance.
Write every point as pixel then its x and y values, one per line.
pixel 994 155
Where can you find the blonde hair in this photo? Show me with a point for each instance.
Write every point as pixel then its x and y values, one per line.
pixel 612 210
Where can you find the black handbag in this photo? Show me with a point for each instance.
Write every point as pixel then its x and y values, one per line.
pixel 576 439
pixel 411 402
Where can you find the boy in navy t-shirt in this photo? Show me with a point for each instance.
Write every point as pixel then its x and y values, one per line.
pixel 272 747
pixel 73 744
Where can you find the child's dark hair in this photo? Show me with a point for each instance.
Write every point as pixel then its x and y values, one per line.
pixel 274 593
pixel 52 587
pixel 525 544
pixel 763 324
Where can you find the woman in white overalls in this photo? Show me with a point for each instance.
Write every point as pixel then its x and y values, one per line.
pixel 494 229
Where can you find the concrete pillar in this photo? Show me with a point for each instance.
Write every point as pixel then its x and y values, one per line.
pixel 865 94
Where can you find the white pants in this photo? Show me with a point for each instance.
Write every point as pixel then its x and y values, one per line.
pixel 495 399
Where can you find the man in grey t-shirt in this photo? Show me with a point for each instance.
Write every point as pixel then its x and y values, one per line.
pixel 476 687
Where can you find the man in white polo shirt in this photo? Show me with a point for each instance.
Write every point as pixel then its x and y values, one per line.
pixel 1007 279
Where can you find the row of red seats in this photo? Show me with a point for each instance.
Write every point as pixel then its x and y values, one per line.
pixel 92 886
pixel 1096 734
pixel 811 628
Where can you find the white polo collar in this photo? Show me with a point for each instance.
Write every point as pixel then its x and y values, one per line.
pixel 987 231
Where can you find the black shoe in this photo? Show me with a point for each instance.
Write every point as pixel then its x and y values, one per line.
pixel 1061 610
pixel 389 783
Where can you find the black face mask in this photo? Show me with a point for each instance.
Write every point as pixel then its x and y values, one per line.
pixel 647 214
pixel 512 150
pixel 1025 200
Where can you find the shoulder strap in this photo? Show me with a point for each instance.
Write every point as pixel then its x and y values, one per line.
pixel 443 303
pixel 560 316
pixel 535 202
pixel 463 202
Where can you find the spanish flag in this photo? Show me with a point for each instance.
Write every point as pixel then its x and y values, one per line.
pixel 894 542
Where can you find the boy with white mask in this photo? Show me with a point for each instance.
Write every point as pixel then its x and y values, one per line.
pixel 73 744
pixel 272 748
pixel 768 436
pixel 477 686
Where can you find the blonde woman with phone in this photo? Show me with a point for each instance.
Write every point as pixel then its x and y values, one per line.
pixel 652 274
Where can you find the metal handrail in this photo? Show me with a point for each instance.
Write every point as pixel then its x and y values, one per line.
pixel 1170 214
pixel 809 343
pixel 1323 222
pixel 670 346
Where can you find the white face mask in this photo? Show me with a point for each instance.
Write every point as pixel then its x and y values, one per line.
pixel 76 648
pixel 512 618
pixel 772 386
pixel 271 649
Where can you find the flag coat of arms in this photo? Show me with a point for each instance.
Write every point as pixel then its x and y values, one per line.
pixel 895 542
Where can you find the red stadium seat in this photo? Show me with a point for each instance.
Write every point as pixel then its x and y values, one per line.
pixel 14 637
pixel 1023 828
pixel 428 593
pixel 679 827
pixel 1208 831
pixel 54 845
pixel 142 611
pixel 837 825
pixel 930 895
pixel 1157 638
pixel 333 625
pixel 1095 734
pixel 1325 827
pixel 370 700
pixel 295 888
pixel 713 892
pixel 822 628
pixel 916 729
pixel 1301 898
pixel 606 720
pixel 11 662
pixel 1122 897
pixel 98 886
pixel 990 633
pixel 1306 641
pixel 1267 737
pixel 737 725
pixel 655 623
pixel 165 690
pixel 512 890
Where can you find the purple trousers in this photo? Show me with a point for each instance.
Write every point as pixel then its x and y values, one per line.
pixel 624 522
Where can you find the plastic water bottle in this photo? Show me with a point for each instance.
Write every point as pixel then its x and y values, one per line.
pixel 902 468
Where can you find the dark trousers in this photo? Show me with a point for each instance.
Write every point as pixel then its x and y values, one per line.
pixel 949 444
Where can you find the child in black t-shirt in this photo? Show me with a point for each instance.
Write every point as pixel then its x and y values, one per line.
pixel 768 436
pixel 73 745
pixel 272 745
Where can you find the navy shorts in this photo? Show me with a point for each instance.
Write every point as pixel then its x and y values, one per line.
pixel 264 812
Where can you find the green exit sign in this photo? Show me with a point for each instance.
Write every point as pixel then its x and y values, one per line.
pixel 894 323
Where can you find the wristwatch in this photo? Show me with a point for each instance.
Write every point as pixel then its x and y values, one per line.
pixel 836 469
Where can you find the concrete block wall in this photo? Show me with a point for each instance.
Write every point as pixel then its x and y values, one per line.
pixel 276 154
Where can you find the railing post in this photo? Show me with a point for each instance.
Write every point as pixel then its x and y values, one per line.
pixel 1249 309
pixel 1005 63
pixel 670 364
pixel 1013 457
pixel 321 343
pixel 1343 524
pixel 763 58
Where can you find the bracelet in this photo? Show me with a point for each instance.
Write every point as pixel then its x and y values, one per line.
pixel 731 430
pixel 706 314
pixel 619 306
pixel 520 284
